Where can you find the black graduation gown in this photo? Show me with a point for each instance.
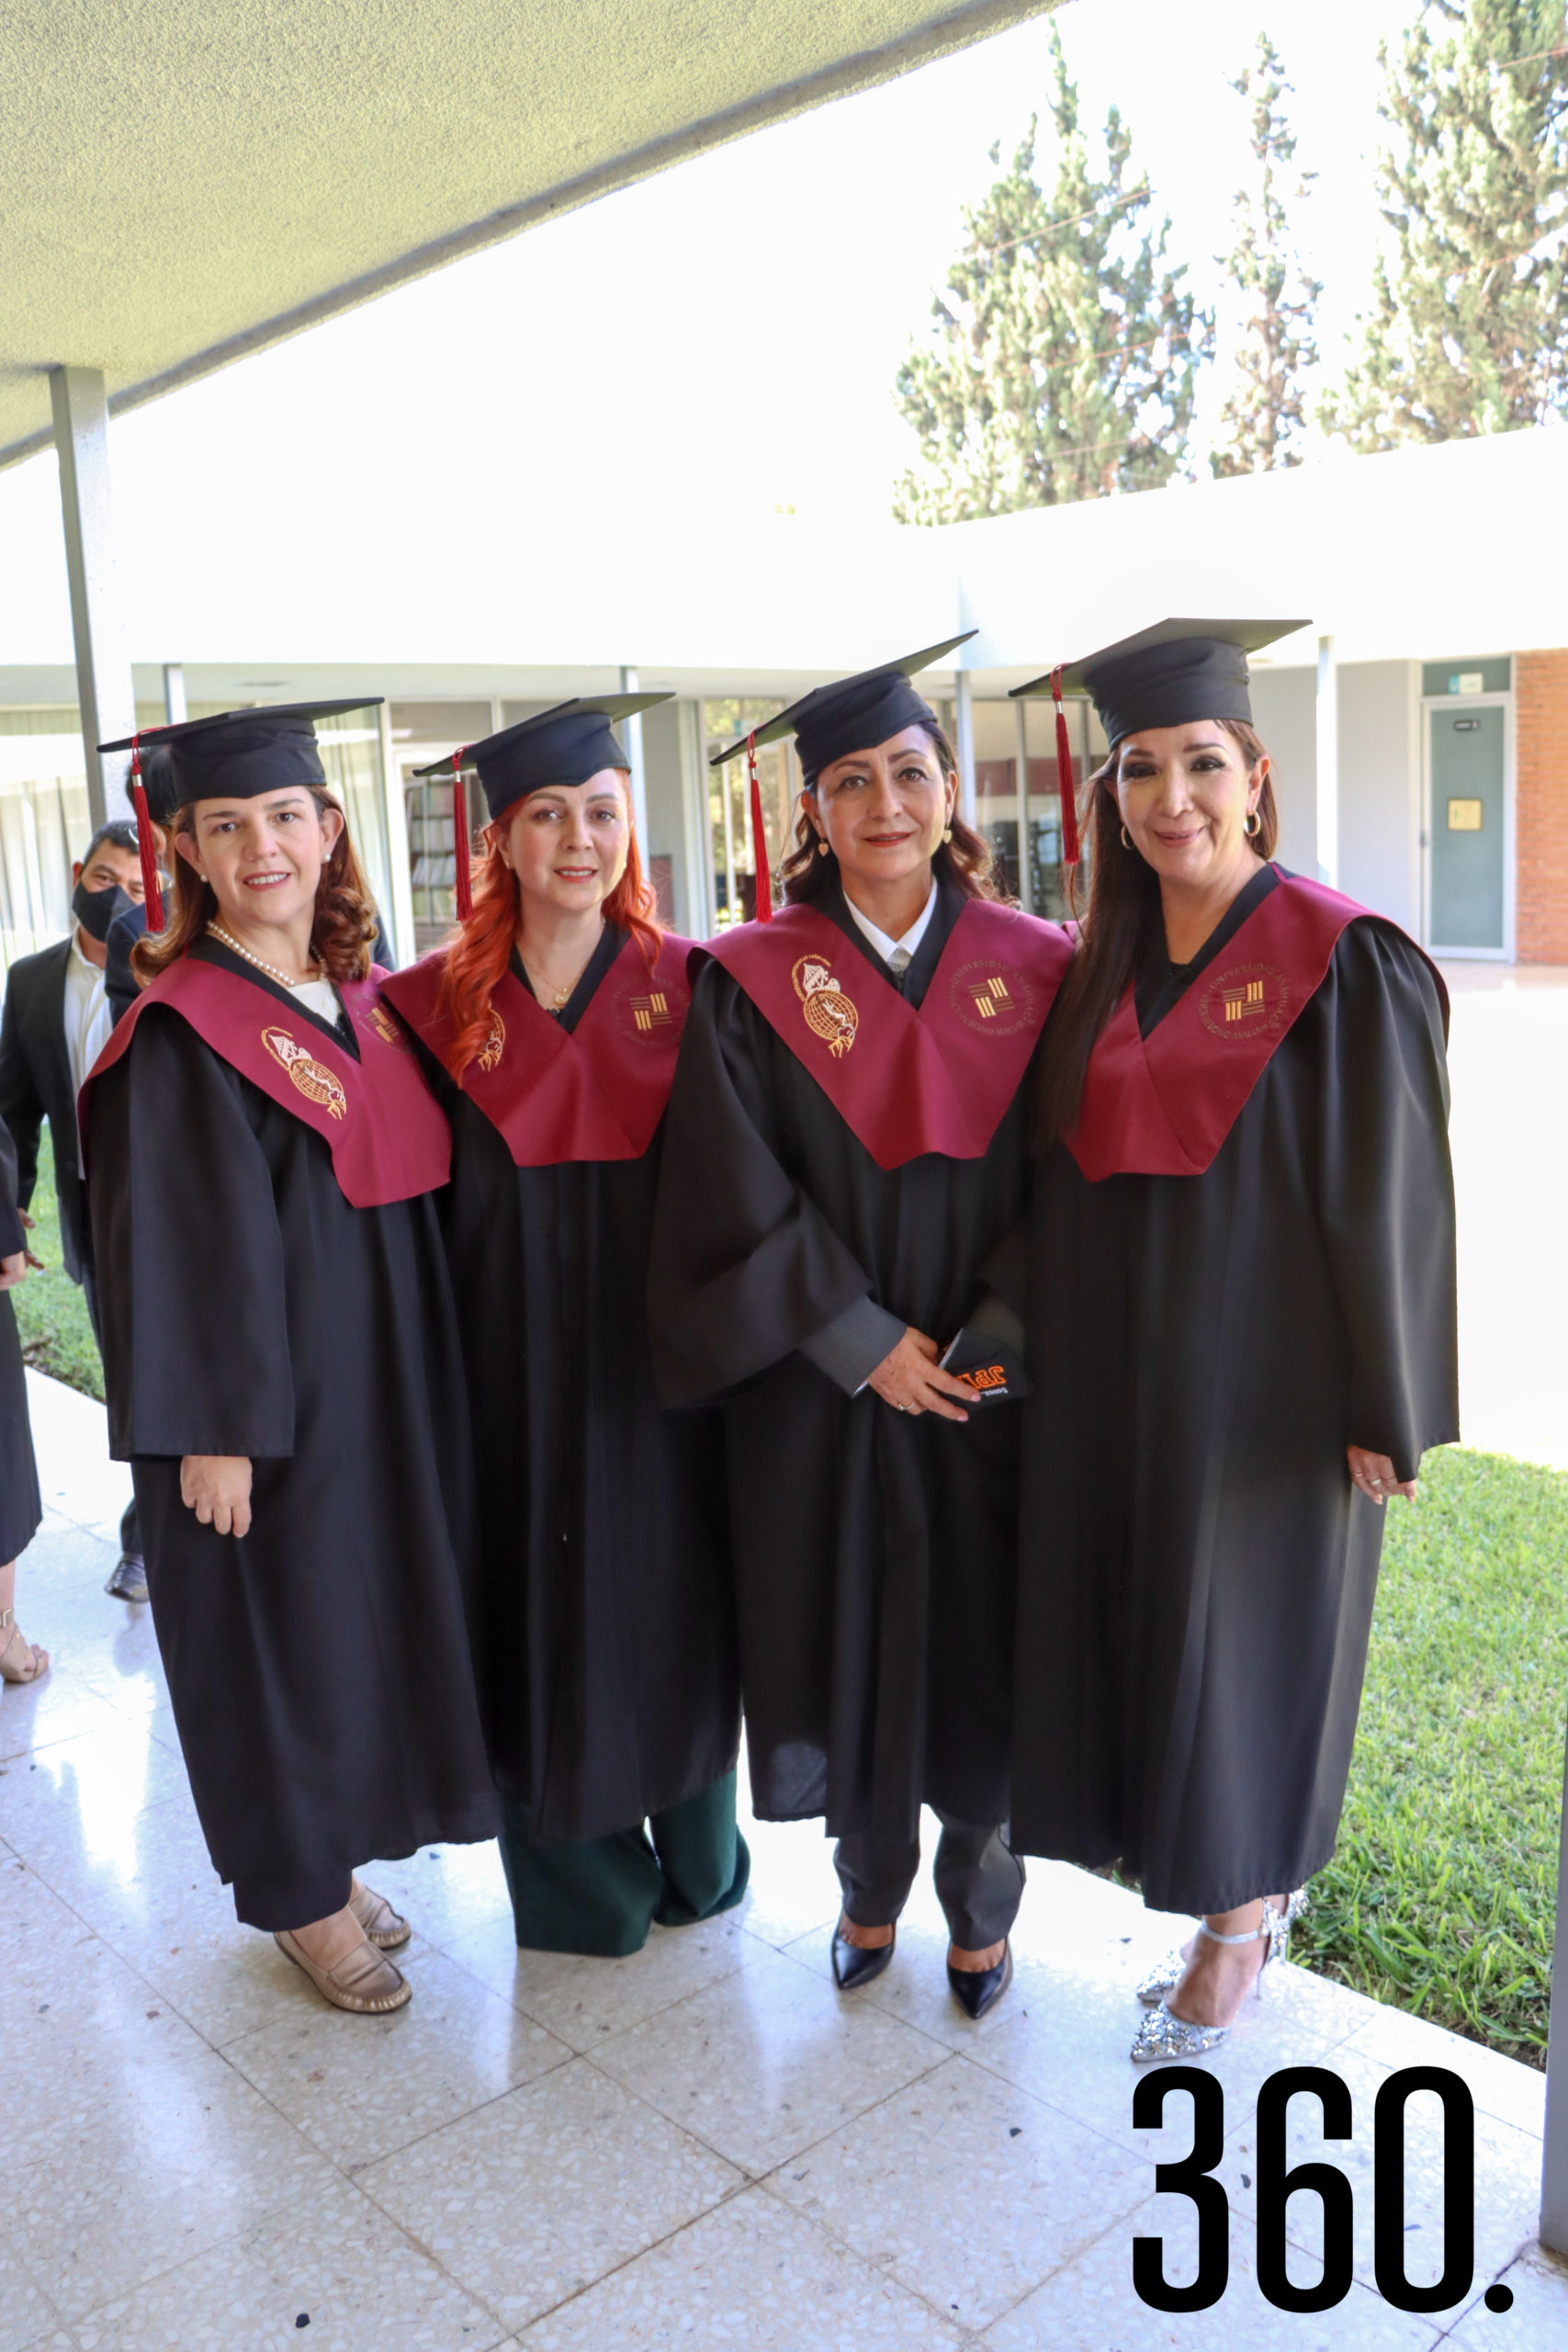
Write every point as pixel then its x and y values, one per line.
pixel 609 1673
pixel 1197 1572
pixel 874 1550
pixel 320 1667
pixel 21 1505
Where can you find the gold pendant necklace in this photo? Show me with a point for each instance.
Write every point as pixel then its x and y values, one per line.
pixel 559 998
pixel 216 931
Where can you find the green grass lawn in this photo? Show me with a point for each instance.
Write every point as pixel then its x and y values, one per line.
pixel 51 1310
pixel 1442 1896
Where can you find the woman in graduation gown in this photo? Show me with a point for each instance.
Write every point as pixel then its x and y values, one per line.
pixel 21 1506
pixel 282 1361
pixel 844 1147
pixel 552 1023
pixel 1241 1311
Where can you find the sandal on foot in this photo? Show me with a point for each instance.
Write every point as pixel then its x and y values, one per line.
pixel 385 1927
pixel 364 1981
pixel 33 1661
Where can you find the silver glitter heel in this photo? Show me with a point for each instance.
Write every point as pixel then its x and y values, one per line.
pixel 1162 2034
pixel 1167 1975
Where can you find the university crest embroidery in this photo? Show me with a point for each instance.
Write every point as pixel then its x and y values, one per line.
pixel 489 1053
pixel 830 1014
pixel 1243 1001
pixel 314 1079
pixel 650 1012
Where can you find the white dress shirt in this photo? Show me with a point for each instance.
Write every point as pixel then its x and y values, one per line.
pixel 898 953
pixel 88 1020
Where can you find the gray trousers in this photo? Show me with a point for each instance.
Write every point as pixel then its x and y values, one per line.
pixel 978 1878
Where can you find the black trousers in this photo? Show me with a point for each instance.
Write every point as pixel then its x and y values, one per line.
pixel 130 1533
pixel 978 1878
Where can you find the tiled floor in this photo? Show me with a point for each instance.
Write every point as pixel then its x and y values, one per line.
pixel 703 2146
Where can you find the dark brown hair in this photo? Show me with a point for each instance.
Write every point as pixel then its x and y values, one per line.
pixel 340 930
pixel 967 858
pixel 1121 919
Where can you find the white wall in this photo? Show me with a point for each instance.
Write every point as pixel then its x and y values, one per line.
pixel 1284 711
pixel 1379 788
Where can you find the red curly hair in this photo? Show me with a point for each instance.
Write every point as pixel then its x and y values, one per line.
pixel 477 952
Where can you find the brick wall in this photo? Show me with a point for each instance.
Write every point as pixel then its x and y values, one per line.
pixel 1540 694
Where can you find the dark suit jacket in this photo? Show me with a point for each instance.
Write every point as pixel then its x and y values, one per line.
pixel 35 1084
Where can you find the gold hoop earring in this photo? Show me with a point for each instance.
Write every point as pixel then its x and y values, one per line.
pixel 1126 838
pixel 822 850
pixel 1252 824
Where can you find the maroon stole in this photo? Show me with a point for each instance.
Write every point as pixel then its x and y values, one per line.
pixel 906 1082
pixel 388 1136
pixel 595 1093
pixel 1162 1105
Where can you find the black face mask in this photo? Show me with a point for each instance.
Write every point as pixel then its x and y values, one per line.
pixel 95 910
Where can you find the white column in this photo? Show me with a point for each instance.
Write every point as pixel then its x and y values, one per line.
pixel 105 695
pixel 697 845
pixel 963 727
pixel 174 693
pixel 399 870
pixel 631 731
pixel 1327 764
pixel 1554 2165
pixel 1026 891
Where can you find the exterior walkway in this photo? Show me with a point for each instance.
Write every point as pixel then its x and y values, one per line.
pixel 703 2146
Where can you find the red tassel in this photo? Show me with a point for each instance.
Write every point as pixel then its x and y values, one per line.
pixel 759 838
pixel 460 839
pixel 1064 778
pixel 152 889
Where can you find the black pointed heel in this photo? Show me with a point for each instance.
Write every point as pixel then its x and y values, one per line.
pixel 976 1990
pixel 854 1966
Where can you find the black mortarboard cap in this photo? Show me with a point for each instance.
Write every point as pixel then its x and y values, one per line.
pixel 566 744
pixel 238 754
pixel 853 713
pixel 232 755
pixel 1176 671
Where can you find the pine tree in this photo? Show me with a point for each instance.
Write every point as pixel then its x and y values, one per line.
pixel 1063 359
pixel 1262 420
pixel 1468 328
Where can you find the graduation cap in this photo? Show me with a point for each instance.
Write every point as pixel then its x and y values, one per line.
pixel 1176 671
pixel 565 744
pixel 232 755
pixel 852 715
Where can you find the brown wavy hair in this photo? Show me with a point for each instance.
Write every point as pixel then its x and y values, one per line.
pixel 967 859
pixel 476 952
pixel 341 930
pixel 1121 919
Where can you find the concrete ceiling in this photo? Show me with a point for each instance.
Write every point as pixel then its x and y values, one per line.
pixel 180 185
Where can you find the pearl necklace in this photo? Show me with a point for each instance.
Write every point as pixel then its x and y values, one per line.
pixel 216 931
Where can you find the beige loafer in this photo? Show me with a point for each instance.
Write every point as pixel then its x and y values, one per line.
pixel 386 1929
pixel 364 1981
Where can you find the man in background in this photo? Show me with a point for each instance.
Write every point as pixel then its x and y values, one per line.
pixel 55 1023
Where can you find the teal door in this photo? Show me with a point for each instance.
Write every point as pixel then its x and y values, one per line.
pixel 1467 827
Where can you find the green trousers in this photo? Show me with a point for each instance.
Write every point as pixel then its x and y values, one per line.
pixel 601 1894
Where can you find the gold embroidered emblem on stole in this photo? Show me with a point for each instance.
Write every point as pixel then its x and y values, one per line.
pixel 651 1012
pixel 830 1014
pixel 989 998
pixel 314 1079
pixel 489 1053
